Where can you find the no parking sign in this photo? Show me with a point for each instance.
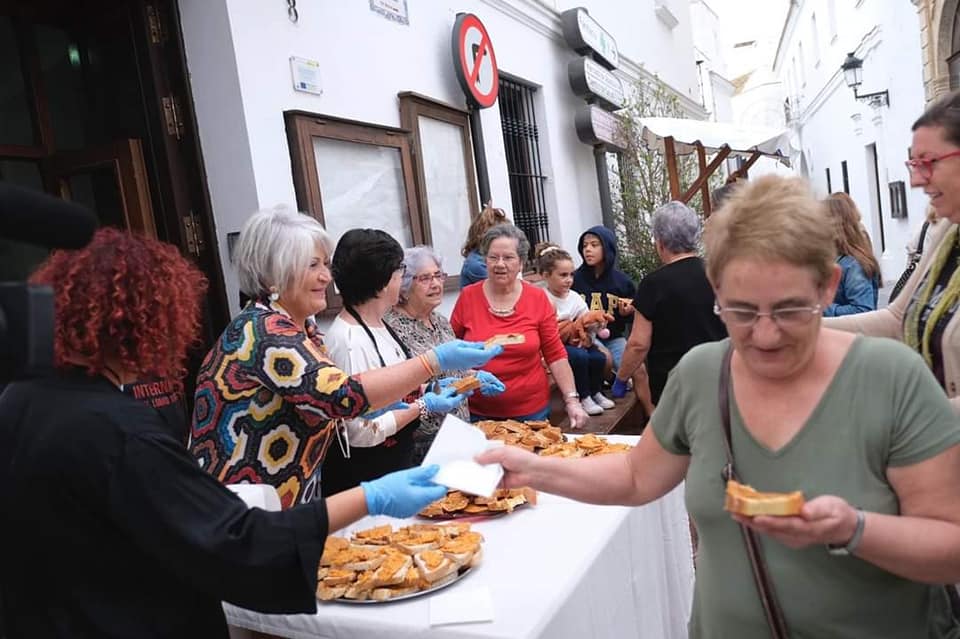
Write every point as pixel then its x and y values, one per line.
pixel 474 61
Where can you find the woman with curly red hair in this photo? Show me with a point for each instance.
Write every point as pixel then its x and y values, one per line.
pixel 117 331
pixel 110 527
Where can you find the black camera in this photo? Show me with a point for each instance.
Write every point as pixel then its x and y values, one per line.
pixel 26 311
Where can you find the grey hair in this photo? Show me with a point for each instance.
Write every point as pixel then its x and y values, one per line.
pixel 510 231
pixel 414 259
pixel 677 227
pixel 275 248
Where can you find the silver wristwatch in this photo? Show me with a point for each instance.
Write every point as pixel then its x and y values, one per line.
pixel 850 546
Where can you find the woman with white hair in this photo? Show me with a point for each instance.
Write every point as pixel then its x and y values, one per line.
pixel 420 327
pixel 268 396
pixel 673 304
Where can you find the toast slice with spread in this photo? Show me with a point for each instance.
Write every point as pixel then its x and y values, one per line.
pixel 745 500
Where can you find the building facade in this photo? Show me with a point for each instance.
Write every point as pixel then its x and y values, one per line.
pixel 384 139
pixel 939 45
pixel 845 144
pixel 180 118
pixel 709 48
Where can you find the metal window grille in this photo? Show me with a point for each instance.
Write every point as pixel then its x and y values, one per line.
pixel 521 141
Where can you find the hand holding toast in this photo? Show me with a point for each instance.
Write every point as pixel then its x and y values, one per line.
pixel 458 354
pixel 444 401
pixel 824 520
pixel 489 384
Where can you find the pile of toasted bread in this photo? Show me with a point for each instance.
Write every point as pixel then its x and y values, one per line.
pixel 381 563
pixel 584 446
pixel 534 436
pixel 459 504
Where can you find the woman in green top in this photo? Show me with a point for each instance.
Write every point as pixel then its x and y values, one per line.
pixel 858 424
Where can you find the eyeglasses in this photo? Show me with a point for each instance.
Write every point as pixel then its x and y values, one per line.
pixel 783 317
pixel 400 269
pixel 427 278
pixel 924 166
pixel 506 259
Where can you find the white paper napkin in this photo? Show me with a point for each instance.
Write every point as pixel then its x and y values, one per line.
pixel 257 495
pixel 453 449
pixel 461 606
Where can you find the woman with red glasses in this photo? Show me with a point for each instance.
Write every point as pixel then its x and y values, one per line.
pixel 924 314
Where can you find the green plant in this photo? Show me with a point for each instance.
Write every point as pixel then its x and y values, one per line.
pixel 639 177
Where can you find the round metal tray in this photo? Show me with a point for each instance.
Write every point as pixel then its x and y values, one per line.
pixel 461 573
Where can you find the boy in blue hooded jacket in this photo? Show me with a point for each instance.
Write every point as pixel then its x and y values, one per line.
pixel 603 286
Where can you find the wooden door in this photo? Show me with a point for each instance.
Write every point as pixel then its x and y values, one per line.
pixel 110 179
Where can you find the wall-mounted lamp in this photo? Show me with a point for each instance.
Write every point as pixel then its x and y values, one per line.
pixel 852 69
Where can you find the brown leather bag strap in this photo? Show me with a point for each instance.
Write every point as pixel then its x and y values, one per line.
pixel 761 576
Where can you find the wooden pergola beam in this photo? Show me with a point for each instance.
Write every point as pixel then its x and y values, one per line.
pixel 705 189
pixel 705 173
pixel 670 155
pixel 742 171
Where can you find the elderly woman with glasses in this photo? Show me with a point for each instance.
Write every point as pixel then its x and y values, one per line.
pixel 673 304
pixel 856 423
pixel 924 314
pixel 368 269
pixel 505 304
pixel 420 328
pixel 268 395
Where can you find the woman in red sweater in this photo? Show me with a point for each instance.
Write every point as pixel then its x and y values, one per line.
pixel 505 304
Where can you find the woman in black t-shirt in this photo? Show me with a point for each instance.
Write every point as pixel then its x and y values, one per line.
pixel 674 304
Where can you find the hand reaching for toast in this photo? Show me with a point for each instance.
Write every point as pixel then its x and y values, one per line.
pixel 824 520
pixel 518 465
pixel 578 416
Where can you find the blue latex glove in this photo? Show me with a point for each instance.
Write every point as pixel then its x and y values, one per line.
pixel 386 409
pixel 444 401
pixel 619 388
pixel 459 355
pixel 442 383
pixel 403 493
pixel 489 384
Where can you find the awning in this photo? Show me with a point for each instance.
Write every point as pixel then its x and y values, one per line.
pixel 742 141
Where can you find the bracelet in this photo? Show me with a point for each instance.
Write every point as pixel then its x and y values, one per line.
pixel 422 405
pixel 850 546
pixel 572 395
pixel 433 362
pixel 430 363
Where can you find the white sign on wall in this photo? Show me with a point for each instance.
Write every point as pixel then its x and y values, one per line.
pixel 306 75
pixel 395 10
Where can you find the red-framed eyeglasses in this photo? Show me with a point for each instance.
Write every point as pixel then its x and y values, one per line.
pixel 924 166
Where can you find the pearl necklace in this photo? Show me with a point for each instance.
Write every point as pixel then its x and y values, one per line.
pixel 503 312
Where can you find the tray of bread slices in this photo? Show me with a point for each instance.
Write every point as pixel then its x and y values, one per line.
pixel 381 564
pixel 533 435
pixel 458 505
pixel 584 446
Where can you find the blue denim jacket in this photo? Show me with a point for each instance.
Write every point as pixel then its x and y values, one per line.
pixel 857 293
pixel 474 269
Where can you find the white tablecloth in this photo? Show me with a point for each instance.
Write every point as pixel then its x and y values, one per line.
pixel 559 570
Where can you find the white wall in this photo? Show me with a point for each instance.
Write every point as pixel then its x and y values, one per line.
pixel 833 127
pixel 366 60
